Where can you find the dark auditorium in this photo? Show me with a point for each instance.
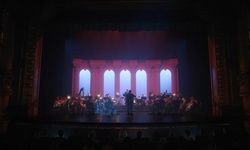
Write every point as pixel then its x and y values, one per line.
pixel 124 74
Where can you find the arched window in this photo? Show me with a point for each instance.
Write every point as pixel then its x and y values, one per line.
pixel 165 81
pixel 109 83
pixel 125 81
pixel 141 83
pixel 85 80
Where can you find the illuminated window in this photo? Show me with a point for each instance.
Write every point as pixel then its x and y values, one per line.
pixel 85 79
pixel 109 83
pixel 165 81
pixel 141 83
pixel 125 81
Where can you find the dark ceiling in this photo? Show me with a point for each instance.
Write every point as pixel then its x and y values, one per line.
pixel 122 11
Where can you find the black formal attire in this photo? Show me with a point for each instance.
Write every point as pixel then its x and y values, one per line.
pixel 130 102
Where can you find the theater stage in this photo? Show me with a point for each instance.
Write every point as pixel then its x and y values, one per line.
pixel 110 124
pixel 139 118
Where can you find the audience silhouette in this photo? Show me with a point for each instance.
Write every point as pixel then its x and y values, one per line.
pixel 214 137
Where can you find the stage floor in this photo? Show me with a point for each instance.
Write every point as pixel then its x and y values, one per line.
pixel 119 115
pixel 124 118
pixel 137 119
pixel 109 125
pixel 141 117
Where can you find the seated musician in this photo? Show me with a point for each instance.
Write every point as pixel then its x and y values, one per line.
pixel 107 95
pixel 151 98
pixel 193 104
pixel 143 99
pixel 138 100
pixel 89 103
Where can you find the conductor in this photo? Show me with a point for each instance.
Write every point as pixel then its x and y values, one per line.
pixel 129 101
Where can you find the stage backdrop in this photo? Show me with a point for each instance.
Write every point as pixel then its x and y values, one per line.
pixel 59 50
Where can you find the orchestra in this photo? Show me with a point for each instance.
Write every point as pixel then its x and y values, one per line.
pixel 164 103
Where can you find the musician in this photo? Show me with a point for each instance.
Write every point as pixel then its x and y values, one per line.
pixel 125 93
pixel 76 105
pixel 193 105
pixel 89 103
pixel 129 101
pixel 143 98
pixel 151 98
pixel 108 101
pixel 183 105
pixel 57 102
pixel 81 91
pixel 107 95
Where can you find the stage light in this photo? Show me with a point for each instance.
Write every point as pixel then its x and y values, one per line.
pixel 68 97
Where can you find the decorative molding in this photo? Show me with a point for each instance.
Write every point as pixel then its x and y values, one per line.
pixel 27 82
pixel 6 79
pixel 97 63
pixel 133 63
pixel 117 63
pixel 222 84
pixel 79 63
pixel 153 63
pixel 244 83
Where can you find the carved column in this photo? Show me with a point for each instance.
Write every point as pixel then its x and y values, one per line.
pixel 94 80
pixel 133 64
pixel 97 78
pixel 75 81
pixel 220 77
pixel 6 60
pixel 149 79
pixel 244 93
pixel 174 78
pixel 154 75
pixel 156 79
pixel 117 65
pixel 101 81
pixel 37 72
pixel 244 62
pixel 117 80
pixel 6 91
pixel 73 92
